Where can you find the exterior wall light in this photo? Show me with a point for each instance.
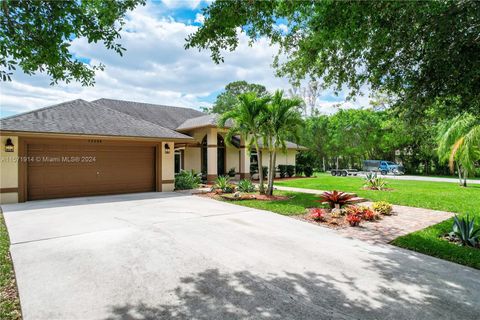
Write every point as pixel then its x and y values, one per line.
pixel 167 148
pixel 9 147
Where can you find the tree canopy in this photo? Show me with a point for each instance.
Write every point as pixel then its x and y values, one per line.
pixel 36 35
pixel 420 52
pixel 229 98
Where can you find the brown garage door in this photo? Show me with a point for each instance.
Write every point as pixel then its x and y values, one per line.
pixel 64 170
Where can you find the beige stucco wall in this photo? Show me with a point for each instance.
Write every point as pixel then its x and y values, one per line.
pixel 168 166
pixel 193 159
pixel 8 170
pixel 232 158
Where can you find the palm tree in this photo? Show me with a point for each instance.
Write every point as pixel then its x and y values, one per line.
pixel 248 120
pixel 282 120
pixel 459 143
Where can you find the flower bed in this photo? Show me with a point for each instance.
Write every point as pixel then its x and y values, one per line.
pixel 352 215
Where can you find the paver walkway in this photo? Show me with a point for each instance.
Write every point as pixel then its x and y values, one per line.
pixel 404 220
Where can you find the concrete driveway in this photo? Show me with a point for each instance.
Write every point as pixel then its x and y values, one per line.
pixel 164 256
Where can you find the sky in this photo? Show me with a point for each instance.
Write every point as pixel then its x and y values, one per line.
pixel 156 68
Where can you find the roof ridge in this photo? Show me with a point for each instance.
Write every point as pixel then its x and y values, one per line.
pixel 42 109
pixel 148 104
pixel 136 119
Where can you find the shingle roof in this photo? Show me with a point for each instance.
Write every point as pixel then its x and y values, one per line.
pixel 83 117
pixel 165 116
pixel 202 121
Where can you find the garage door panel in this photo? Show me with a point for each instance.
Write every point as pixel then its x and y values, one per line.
pixel 116 169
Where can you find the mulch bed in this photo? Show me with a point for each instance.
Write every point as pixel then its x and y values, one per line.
pixel 229 197
pixel 375 189
pixel 330 222
pixel 456 240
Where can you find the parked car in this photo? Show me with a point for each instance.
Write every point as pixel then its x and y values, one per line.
pixel 382 166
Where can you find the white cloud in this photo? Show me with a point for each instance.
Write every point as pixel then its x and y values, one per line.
pixel 200 18
pixel 192 4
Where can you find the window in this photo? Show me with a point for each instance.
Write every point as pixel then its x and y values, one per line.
pixel 178 161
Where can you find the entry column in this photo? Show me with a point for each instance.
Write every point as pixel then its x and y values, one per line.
pixel 212 155
pixel 244 169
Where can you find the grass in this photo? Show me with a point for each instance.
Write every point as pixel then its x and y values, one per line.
pixel 9 302
pixel 293 206
pixel 443 196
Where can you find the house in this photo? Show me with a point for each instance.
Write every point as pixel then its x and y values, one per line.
pixel 81 148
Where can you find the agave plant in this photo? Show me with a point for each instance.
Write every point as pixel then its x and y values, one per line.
pixel 464 229
pixel 372 181
pixel 246 186
pixel 223 183
pixel 336 198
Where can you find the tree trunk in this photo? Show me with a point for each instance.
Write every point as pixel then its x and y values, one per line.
pixel 261 189
pixel 271 172
pixel 323 159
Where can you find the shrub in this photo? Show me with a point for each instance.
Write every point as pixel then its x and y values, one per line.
pixel 355 210
pixel 372 181
pixel 464 230
pixel 317 214
pixel 283 170
pixel 299 169
pixel 336 198
pixel 290 170
pixel 369 214
pixel 246 186
pixel 223 183
pixel 354 219
pixel 232 172
pixel 382 207
pixel 308 171
pixel 187 179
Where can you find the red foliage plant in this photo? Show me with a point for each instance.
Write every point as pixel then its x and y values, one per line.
pixel 354 219
pixel 317 214
pixel 336 197
pixel 369 214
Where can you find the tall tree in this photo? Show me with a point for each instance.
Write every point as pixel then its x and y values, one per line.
pixel 229 98
pixel 459 142
pixel 36 35
pixel 248 119
pixel 420 51
pixel 282 119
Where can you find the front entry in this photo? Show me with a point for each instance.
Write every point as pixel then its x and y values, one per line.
pixel 220 156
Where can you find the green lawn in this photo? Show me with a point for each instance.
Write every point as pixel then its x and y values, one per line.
pixel 293 206
pixel 9 302
pixel 432 195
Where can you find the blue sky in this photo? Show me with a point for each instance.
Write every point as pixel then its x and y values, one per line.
pixel 155 68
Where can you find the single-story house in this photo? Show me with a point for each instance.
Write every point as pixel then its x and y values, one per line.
pixel 81 148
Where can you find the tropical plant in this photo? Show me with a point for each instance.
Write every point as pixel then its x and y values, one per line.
pixel 283 120
pixel 382 207
pixel 290 170
pixel 464 229
pixel 283 170
pixel 246 186
pixel 187 179
pixel 336 198
pixel 353 219
pixel 223 183
pixel 247 121
pixel 459 142
pixel 369 214
pixel 308 171
pixel 317 214
pixel 373 182
pixel 232 172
